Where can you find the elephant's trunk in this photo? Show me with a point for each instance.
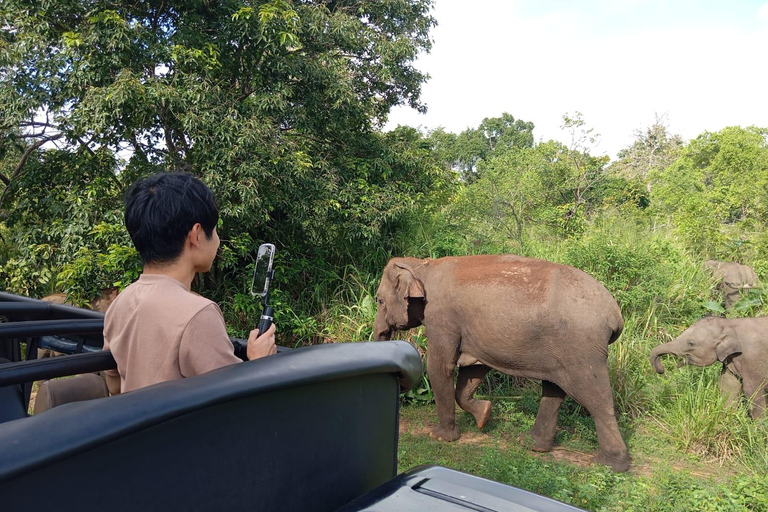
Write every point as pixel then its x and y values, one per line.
pixel 381 330
pixel 656 354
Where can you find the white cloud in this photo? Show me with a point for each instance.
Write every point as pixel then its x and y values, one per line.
pixel 486 61
pixel 762 12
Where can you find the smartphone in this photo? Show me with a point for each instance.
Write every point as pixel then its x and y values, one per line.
pixel 262 276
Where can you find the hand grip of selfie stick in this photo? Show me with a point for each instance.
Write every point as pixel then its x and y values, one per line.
pixel 266 319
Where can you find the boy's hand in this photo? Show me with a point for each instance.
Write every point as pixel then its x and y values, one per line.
pixel 261 345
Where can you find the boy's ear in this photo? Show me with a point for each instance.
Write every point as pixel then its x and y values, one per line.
pixel 194 234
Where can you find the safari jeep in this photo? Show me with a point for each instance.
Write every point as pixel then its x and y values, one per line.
pixel 311 429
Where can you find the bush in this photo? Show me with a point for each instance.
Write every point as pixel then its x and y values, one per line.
pixel 647 272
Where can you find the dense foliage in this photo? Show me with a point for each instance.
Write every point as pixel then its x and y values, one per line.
pixel 716 193
pixel 275 104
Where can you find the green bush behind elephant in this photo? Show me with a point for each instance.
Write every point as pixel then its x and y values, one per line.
pixel 522 316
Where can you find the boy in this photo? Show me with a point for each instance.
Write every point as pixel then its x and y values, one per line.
pixel 157 329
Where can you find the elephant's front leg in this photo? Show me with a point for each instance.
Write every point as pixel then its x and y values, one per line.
pixel 440 368
pixel 469 379
pixel 730 386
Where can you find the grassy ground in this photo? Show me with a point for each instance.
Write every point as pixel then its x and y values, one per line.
pixel 662 478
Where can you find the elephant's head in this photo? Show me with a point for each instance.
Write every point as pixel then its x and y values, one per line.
pixel 401 298
pixel 712 265
pixel 706 341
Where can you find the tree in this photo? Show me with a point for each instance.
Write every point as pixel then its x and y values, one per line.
pixel 275 104
pixel 465 151
pixel 586 172
pixel 547 186
pixel 716 193
pixel 654 149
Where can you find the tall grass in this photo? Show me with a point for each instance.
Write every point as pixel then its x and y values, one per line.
pixel 628 365
pixel 349 312
pixel 692 413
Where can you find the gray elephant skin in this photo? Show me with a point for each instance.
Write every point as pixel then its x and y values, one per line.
pixel 741 344
pixel 521 316
pixel 732 279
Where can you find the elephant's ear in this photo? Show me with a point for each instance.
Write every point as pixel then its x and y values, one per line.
pixel 727 347
pixel 408 285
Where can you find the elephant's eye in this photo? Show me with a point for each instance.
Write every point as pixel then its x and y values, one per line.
pixel 690 343
pixel 380 301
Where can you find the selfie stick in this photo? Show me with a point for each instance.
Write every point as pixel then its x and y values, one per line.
pixel 267 312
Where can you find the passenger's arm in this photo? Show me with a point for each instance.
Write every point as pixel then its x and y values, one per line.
pixel 112 377
pixel 205 345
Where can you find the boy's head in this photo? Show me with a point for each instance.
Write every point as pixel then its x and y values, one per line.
pixel 161 210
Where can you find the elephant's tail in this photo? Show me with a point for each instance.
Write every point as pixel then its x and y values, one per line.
pixel 616 326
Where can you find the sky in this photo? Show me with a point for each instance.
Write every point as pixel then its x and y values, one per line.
pixel 697 65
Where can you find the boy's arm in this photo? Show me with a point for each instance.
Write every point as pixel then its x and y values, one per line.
pixel 205 345
pixel 112 377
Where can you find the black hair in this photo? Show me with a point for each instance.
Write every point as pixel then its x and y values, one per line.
pixel 162 208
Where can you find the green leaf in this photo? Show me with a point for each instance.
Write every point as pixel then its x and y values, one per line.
pixel 714 306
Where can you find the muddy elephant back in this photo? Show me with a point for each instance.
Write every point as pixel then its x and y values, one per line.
pixel 534 292
pixel 104 300
pixel 100 303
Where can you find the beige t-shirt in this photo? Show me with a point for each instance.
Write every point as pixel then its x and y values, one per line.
pixel 158 330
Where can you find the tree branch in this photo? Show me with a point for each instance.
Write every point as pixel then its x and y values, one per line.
pixel 21 163
pixel 29 151
pixel 85 145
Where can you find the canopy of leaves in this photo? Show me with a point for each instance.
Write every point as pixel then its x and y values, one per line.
pixel 519 190
pixel 465 151
pixel 546 186
pixel 274 103
pixel 654 149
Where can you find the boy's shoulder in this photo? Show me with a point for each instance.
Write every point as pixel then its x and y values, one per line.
pixel 160 293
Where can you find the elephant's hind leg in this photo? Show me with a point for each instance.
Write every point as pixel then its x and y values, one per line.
pixel 545 426
pixel 593 391
pixel 469 379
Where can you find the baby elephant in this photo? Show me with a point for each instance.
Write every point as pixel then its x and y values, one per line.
pixel 741 344
pixel 732 279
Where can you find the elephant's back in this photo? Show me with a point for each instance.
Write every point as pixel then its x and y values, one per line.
pixel 533 289
pixel 535 278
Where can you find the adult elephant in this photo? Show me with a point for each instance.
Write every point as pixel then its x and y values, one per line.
pixel 521 316
pixel 741 344
pixel 732 279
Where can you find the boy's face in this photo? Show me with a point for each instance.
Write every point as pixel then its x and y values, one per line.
pixel 209 250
